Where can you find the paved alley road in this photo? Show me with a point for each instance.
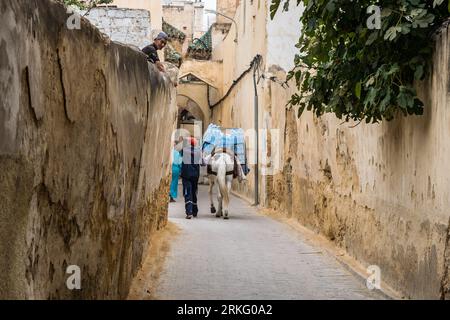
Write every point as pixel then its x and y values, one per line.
pixel 249 256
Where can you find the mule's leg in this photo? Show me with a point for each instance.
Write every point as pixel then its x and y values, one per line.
pixel 211 185
pixel 241 175
pixel 219 199
pixel 227 198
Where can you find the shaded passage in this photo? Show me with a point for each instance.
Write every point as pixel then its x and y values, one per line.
pixel 249 256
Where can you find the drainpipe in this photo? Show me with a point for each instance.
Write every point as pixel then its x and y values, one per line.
pixel 256 107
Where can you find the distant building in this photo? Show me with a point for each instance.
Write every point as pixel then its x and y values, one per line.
pixel 154 6
pixel 132 22
pixel 187 17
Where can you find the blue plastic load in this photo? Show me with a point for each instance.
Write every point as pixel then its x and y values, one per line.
pixel 230 138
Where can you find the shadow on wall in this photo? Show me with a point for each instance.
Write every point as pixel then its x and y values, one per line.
pixel 379 191
pixel 81 120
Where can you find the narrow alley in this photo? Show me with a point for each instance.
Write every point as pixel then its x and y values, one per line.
pixel 248 257
pixel 324 126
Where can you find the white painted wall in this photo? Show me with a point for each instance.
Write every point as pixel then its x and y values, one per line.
pixel 127 26
pixel 154 6
pixel 282 35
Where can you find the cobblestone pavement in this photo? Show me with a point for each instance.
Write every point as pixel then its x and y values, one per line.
pixel 250 256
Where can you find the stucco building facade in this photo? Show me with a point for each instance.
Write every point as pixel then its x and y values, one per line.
pixel 381 192
pixel 187 16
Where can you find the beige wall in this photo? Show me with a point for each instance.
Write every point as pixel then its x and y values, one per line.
pixel 187 17
pixel 85 128
pixel 379 191
pixel 228 8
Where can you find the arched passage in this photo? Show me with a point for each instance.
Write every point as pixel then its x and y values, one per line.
pixel 196 92
pixel 190 116
pixel 186 103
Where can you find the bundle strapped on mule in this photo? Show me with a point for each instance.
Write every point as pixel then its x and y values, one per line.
pixel 228 140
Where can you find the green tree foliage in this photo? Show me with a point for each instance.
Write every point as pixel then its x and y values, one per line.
pixel 363 73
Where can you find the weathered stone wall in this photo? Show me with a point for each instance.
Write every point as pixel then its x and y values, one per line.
pixel 154 6
pixel 128 26
pixel 84 155
pixel 382 192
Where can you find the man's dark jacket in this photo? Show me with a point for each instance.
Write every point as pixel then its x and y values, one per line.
pixel 190 168
pixel 151 52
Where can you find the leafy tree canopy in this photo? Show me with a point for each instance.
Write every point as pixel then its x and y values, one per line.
pixel 350 66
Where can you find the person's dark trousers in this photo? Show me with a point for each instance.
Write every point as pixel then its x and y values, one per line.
pixel 190 186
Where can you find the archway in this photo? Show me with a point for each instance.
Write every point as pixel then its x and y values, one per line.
pixel 190 116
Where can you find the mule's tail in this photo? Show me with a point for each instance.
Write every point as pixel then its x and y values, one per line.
pixel 222 181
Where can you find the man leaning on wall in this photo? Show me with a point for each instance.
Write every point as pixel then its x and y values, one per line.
pixel 152 50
